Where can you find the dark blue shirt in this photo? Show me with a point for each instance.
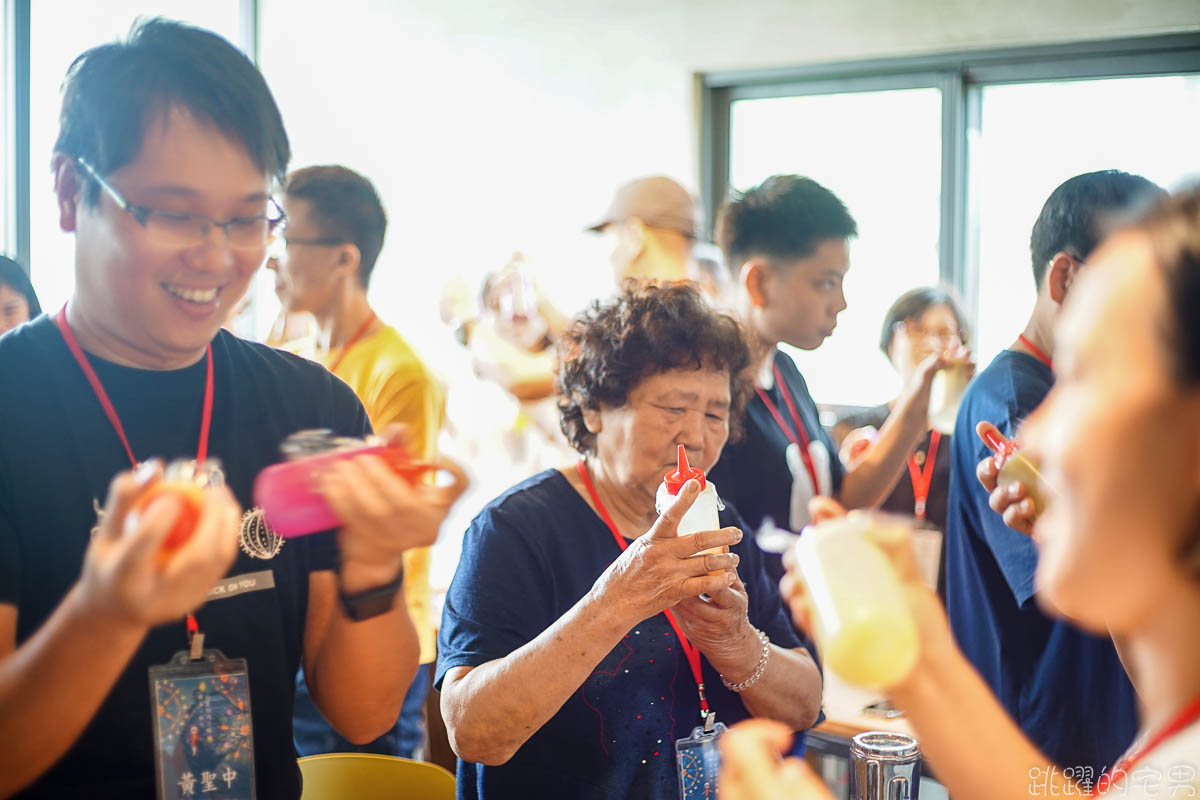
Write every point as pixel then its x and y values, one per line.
pixel 753 473
pixel 1065 688
pixel 530 556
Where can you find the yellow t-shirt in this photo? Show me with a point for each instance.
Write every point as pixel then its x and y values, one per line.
pixel 394 386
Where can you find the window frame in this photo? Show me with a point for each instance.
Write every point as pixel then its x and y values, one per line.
pixel 961 77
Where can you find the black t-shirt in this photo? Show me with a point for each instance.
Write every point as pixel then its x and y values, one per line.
pixel 528 557
pixel 754 473
pixel 58 453
pixel 902 500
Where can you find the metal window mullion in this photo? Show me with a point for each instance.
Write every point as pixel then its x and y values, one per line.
pixel 952 227
pixel 17 70
pixel 715 142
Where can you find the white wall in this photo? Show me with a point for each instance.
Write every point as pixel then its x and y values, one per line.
pixel 496 125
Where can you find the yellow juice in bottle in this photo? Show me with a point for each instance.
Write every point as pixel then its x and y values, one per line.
pixel 864 629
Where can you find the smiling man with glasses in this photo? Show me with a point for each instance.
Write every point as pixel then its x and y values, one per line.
pixel 170 145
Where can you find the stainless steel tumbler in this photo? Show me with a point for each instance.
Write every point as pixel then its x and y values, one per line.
pixel 884 766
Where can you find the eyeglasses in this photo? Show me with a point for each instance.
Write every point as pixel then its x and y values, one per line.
pixel 189 230
pixel 944 339
pixel 279 243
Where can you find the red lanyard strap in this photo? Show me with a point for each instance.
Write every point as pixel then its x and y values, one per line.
pixel 923 478
pixel 195 638
pixel 60 319
pixel 353 340
pixel 689 650
pixel 800 435
pixel 1189 714
pixel 1037 352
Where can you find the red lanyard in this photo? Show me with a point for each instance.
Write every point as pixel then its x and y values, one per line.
pixel 921 479
pixel 1038 354
pixel 799 436
pixel 1189 714
pixel 689 649
pixel 353 340
pixel 60 319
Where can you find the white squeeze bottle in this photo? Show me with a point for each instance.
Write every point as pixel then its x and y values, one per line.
pixel 702 516
pixel 864 629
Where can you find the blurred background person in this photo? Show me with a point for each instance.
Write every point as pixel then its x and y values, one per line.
pixel 652 225
pixel 323 262
pixel 920 323
pixel 560 674
pixel 1035 662
pixel 1119 545
pixel 18 301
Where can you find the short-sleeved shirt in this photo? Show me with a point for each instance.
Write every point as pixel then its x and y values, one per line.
pixel 530 556
pixel 754 473
pixel 58 454
pixel 1065 688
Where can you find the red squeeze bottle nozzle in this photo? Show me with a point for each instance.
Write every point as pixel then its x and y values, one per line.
pixel 1002 446
pixel 682 474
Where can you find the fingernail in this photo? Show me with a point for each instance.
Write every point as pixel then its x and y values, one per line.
pixel 728 578
pixel 738 536
pixel 146 471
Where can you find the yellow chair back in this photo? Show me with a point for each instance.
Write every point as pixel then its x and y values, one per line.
pixel 365 776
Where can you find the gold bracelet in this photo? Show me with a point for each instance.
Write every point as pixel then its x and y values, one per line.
pixel 758 670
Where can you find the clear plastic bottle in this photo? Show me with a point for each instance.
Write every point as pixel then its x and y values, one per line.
pixel 864 629
pixel 945 395
pixel 702 516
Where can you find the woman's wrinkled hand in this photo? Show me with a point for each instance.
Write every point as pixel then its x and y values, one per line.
pixel 661 569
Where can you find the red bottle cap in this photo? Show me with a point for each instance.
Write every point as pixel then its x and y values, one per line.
pixel 683 473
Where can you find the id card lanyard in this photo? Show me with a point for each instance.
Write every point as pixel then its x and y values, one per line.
pixel 922 479
pixel 797 435
pixel 195 637
pixel 707 715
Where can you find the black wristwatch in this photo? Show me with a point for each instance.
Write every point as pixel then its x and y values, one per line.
pixel 372 602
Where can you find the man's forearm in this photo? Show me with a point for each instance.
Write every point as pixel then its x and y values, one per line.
pixel 361 670
pixel 53 684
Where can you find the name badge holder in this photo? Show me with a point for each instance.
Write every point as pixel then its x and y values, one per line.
pixel 203 734
pixel 699 761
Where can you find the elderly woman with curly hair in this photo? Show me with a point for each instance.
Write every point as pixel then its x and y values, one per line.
pixel 561 665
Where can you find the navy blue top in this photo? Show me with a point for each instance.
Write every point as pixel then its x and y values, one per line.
pixel 753 473
pixel 1065 688
pixel 530 556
